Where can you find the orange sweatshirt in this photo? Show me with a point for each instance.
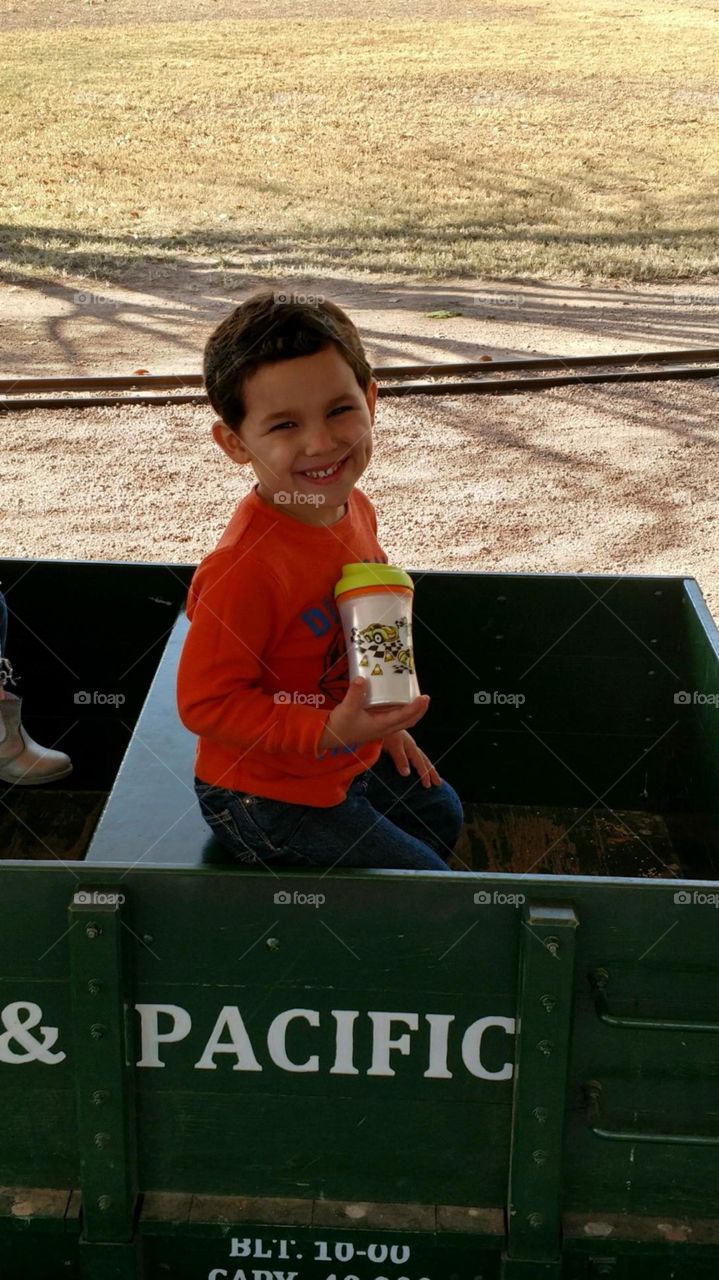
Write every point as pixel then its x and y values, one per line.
pixel 263 622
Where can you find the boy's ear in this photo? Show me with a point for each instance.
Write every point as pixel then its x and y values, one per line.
pixel 229 442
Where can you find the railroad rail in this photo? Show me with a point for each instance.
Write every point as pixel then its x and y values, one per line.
pixel 395 380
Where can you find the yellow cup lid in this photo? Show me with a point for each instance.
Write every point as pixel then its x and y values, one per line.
pixel 361 575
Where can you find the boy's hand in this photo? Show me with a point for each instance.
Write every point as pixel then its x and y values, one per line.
pixel 352 723
pixel 403 749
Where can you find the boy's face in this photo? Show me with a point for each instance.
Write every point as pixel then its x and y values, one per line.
pixel 304 415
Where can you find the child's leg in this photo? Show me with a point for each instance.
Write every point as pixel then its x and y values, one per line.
pixel 431 814
pixel 272 833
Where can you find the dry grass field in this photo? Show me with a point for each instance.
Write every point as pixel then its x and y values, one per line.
pixel 540 139
pixel 464 178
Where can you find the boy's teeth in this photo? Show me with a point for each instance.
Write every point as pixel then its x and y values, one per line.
pixel 327 471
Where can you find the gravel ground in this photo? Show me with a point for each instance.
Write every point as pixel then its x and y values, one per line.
pixel 600 479
pixel 582 479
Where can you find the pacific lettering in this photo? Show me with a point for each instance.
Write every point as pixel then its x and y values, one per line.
pixel 298 1041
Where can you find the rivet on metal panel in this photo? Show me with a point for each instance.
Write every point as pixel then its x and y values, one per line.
pixel 535 1219
pixel 94 987
pixel 104 1202
pixel 599 978
pixel 540 1114
pixel 549 1003
pixel 101 1140
pixel 98 1096
pixel 273 944
pixel 599 1268
pixel 501 599
pixel 97 1031
pixel 92 930
pixel 539 1157
pixel 592 1090
pixel 552 945
pixel 147 937
pixel 545 1047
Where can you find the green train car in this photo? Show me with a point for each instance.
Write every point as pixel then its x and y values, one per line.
pixel 508 1072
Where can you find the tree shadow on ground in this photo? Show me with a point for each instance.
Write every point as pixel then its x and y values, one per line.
pixel 139 293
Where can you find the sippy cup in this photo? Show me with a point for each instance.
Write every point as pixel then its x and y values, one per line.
pixel 375 605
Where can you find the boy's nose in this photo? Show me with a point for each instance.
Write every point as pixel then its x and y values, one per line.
pixel 318 439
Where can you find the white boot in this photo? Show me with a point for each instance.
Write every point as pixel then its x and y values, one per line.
pixel 22 761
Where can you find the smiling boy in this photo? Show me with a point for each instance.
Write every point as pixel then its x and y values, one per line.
pixel 290 769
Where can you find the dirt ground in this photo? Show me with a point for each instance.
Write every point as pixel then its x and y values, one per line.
pixel 588 479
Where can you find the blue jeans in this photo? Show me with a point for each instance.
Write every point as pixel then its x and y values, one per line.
pixel 385 820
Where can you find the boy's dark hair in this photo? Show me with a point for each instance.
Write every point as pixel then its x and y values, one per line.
pixel 270 326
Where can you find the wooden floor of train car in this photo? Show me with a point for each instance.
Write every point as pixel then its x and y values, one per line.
pixel 564 841
pixel 44 823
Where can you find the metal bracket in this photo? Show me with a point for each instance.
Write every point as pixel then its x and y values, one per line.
pixel 544 1018
pixel 104 1093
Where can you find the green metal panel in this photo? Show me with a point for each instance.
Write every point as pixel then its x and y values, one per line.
pixel 597 658
pixel 208 940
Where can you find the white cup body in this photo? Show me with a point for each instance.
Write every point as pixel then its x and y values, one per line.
pixel 378 634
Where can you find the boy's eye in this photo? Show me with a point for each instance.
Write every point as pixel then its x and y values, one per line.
pixel 280 425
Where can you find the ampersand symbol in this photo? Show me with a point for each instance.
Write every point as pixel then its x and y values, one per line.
pixel 18 1029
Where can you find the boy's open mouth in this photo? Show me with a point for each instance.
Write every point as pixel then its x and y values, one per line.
pixel 325 475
